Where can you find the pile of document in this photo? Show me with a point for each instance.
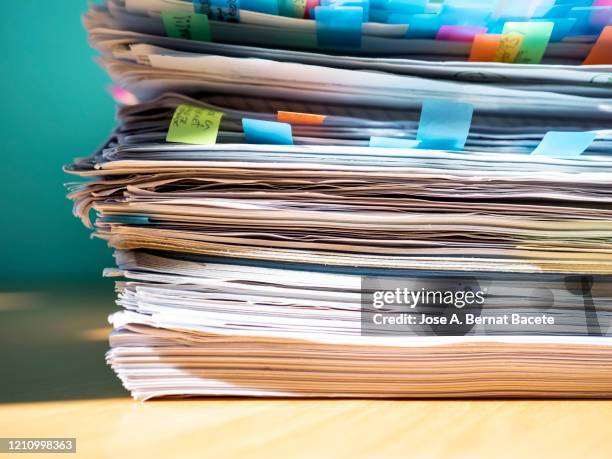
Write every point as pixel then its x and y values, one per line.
pixel 295 188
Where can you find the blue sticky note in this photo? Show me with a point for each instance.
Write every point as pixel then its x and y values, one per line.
pixel 419 25
pixel 267 132
pixel 574 2
pixel 465 14
pixel 559 144
pixel 392 142
pixel 590 20
pixel 339 26
pixel 406 6
pixel 378 15
pixel 557 11
pixel 260 6
pixel 444 124
pixel 561 28
pixel 219 10
pixel 365 4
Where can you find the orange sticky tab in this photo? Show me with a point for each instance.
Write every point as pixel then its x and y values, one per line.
pixel 484 47
pixel 601 52
pixel 509 47
pixel 300 118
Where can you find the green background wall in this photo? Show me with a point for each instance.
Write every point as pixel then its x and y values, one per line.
pixel 54 107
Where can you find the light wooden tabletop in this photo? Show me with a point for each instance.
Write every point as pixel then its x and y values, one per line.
pixel 121 428
pixel 55 384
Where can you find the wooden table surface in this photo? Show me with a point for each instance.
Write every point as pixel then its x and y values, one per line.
pixel 54 383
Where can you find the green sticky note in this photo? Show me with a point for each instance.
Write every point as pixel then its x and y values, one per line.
pixel 194 125
pixel 191 26
pixel 535 39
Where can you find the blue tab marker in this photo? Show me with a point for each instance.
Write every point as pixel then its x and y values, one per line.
pixel 419 25
pixel 219 10
pixel 365 4
pixel 590 20
pixel 561 28
pixel 558 144
pixel 444 124
pixel 393 142
pixel 261 6
pixel 406 6
pixel 377 15
pixel 339 26
pixel 465 14
pixel 267 132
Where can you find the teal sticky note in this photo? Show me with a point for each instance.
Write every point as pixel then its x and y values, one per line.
pixel 339 26
pixel 406 6
pixel 559 144
pixel 392 142
pixel 363 4
pixel 419 25
pixel 261 6
pixel 476 15
pixel 444 124
pixel 536 36
pixel 377 15
pixel 267 132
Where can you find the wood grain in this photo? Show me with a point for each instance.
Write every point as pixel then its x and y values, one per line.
pixel 121 428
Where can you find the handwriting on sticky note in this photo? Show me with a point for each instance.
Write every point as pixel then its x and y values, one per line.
pixel 509 46
pixel 190 26
pixel 300 118
pixel 536 36
pixel 220 10
pixel 194 125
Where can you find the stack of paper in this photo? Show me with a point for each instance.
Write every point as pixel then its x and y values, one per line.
pixel 365 198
